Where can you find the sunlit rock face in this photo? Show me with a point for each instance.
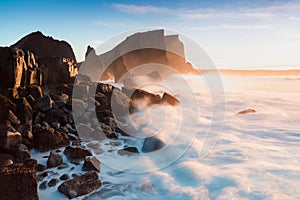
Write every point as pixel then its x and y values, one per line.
pixel 57 61
pixel 136 50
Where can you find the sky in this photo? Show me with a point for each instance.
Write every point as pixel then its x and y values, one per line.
pixel 236 34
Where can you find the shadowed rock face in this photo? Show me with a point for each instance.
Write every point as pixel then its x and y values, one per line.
pixel 44 46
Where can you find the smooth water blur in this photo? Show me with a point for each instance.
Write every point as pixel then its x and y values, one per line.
pixel 255 158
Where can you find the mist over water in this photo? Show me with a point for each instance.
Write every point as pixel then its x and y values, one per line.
pixel 255 158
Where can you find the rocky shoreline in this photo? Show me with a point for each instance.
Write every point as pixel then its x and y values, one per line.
pixel 36 115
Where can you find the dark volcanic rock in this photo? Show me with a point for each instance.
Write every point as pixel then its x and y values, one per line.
pixel 91 164
pixel 80 185
pixel 128 151
pixel 64 177
pixel 53 182
pixel 44 46
pixel 47 139
pixel 6 106
pixel 44 103
pixel 35 91
pixel 75 153
pixel 56 115
pixel 6 159
pixel 152 144
pixel 21 152
pixel 19 182
pixel 54 159
pixel 9 138
pixel 24 111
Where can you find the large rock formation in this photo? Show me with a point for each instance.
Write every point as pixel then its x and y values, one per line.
pixel 19 181
pixel 137 49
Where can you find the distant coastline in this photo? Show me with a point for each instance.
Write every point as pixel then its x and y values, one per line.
pixel 262 72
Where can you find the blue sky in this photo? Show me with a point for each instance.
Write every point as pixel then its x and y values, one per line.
pixel 235 33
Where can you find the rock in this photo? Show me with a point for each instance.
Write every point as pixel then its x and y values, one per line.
pixel 56 126
pixel 75 153
pixel 81 185
pixel 54 159
pixel 81 90
pixel 21 152
pixel 12 67
pixel 53 182
pixel 6 159
pixel 9 138
pixel 35 91
pixel 6 105
pixel 64 177
pixel 43 185
pixel 128 151
pixel 58 59
pixel 246 111
pixel 47 139
pixel 60 100
pixel 44 103
pixel 13 118
pixel 152 144
pixel 63 166
pixel 79 106
pixel 19 181
pixel 56 115
pixel 169 99
pixel 41 168
pixel 91 164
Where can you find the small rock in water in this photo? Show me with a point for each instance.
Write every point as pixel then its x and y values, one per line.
pixel 76 153
pixel 43 185
pixel 64 177
pixel 246 111
pixel 91 164
pixel 128 151
pixel 53 182
pixel 152 144
pixel 54 159
pixel 63 166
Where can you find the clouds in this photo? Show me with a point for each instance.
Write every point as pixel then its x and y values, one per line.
pixel 272 10
pixel 135 9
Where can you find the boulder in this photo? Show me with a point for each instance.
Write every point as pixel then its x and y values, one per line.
pixel 19 182
pixel 35 91
pixel 152 144
pixel 12 118
pixel 44 103
pixel 53 182
pixel 9 138
pixel 81 185
pixel 91 164
pixel 6 159
pixel 24 111
pixel 54 160
pixel 45 139
pixel 64 177
pixel 75 153
pixel 128 151
pixel 56 115
pixel 21 152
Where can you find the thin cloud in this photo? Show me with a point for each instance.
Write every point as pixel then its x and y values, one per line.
pixel 294 18
pixel 136 9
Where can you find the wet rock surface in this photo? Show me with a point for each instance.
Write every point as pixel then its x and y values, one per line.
pixel 80 185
